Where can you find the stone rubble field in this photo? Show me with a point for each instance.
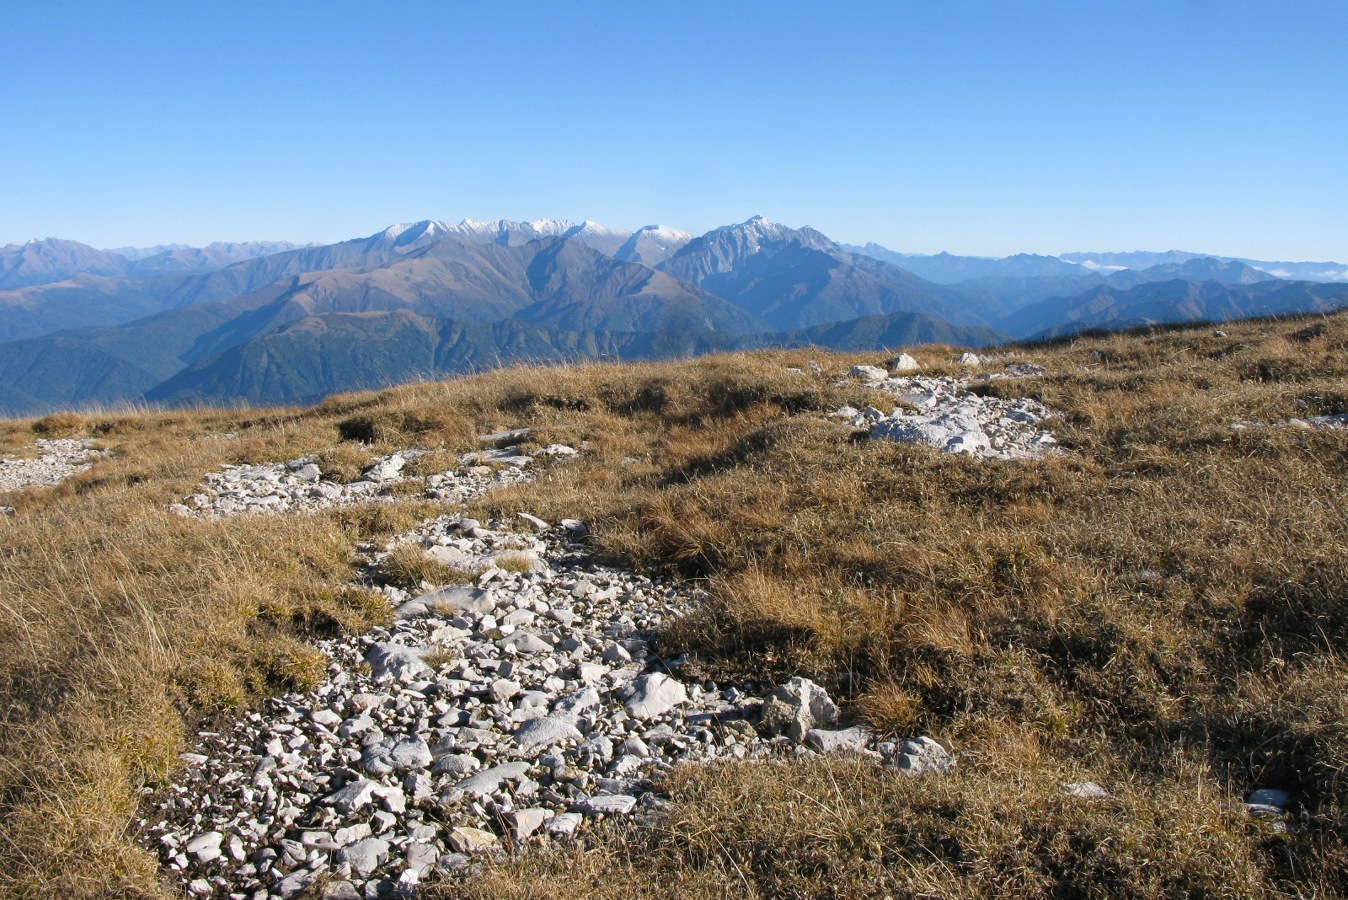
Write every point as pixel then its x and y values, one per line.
pixel 519 707
pixel 57 460
pixel 516 708
pixel 299 484
pixel 942 412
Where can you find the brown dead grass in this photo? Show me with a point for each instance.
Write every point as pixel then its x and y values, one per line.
pixel 1161 610
pixel 840 828
pixel 1138 608
pixel 409 567
pixel 344 463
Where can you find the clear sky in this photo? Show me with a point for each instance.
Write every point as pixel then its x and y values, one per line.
pixel 986 128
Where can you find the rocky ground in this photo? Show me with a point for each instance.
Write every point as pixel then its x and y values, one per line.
pixel 518 707
pixel 943 412
pixel 56 461
pixel 300 485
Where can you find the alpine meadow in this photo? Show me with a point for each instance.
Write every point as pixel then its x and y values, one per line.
pixel 859 451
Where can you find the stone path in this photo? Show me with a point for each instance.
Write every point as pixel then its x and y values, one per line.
pixel 515 708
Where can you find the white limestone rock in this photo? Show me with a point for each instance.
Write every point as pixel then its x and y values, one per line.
pixel 365 857
pixel 472 840
pixel 855 739
pixel 903 363
pixel 923 756
pixel 798 706
pixel 544 731
pixel 868 373
pixel 607 805
pixel 655 695
pixel 489 780
pixel 397 661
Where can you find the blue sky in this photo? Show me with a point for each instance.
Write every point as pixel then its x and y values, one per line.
pixel 986 128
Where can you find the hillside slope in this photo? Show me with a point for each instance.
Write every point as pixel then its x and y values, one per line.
pixel 324 354
pixel 1156 611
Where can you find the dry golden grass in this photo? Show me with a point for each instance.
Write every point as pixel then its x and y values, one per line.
pixel 344 463
pixel 1107 603
pixel 408 566
pixel 513 561
pixel 63 424
pixel 1161 609
pixel 840 828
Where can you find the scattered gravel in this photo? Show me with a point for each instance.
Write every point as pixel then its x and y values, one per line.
pixel 1336 422
pixel 942 412
pixel 514 709
pixel 299 485
pixel 58 460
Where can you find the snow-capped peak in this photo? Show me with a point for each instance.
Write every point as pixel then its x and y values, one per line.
pixel 393 231
pixel 472 226
pixel 548 226
pixel 406 234
pixel 591 227
pixel 753 231
pixel 664 233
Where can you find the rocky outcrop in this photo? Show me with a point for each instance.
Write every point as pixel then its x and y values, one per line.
pixel 945 414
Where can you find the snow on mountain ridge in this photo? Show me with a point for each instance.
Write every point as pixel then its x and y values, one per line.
pixel 665 232
pixel 751 235
pixel 592 227
pixel 652 244
pixel 659 240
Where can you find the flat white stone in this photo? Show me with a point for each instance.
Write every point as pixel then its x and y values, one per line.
pixel 854 739
pixel 544 731
pixel 472 840
pixel 524 822
pixel 868 373
pixel 488 780
pixel 563 824
pixel 607 804
pixel 202 841
pixel 525 642
pixel 402 663
pixel 365 857
pixel 1086 790
pixel 353 797
pixel 655 695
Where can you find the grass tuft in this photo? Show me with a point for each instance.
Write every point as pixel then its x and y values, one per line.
pixel 61 424
pixel 409 566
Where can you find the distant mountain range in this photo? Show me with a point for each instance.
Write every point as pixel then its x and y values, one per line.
pixel 53 260
pixel 280 323
pixel 946 268
pixel 1174 301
